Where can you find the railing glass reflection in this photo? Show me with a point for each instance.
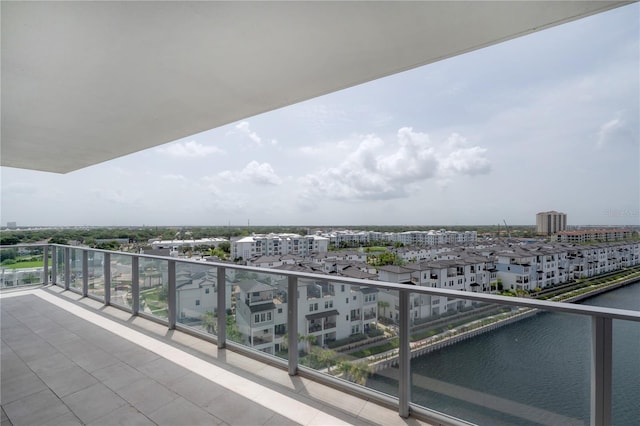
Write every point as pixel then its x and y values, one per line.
pixel 21 266
pixel 154 287
pixel 121 280
pixel 196 296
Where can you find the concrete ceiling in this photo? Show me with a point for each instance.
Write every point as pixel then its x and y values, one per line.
pixel 86 82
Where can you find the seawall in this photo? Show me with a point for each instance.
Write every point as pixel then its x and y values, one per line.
pixel 390 359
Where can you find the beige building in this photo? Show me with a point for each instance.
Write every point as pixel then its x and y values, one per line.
pixel 549 223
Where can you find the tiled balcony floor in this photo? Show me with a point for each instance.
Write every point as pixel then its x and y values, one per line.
pixel 65 363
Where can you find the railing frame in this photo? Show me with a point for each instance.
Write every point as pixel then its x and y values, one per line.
pixel 602 319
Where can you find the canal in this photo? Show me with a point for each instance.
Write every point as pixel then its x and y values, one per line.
pixel 536 371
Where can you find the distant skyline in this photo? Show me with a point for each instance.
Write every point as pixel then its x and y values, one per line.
pixel 548 121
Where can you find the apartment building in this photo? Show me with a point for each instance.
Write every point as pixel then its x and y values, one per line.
pixel 591 235
pixel 176 244
pixel 548 223
pixel 278 244
pixel 408 238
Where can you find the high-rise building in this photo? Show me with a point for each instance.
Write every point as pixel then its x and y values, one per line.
pixel 549 223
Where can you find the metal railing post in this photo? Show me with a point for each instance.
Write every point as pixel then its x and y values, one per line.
pixel 601 367
pixel 85 273
pixel 107 278
pixel 45 258
pixel 171 295
pixel 135 285
pixel 54 265
pixel 292 324
pixel 67 267
pixel 222 306
pixel 404 355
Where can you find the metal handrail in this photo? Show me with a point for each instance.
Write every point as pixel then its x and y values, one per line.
pixel 601 398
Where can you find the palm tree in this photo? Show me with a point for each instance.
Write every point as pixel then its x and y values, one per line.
pixel 325 357
pixel 361 371
pixel 345 368
pixel 309 340
pixel 209 322
pixel 356 372
pixel 384 305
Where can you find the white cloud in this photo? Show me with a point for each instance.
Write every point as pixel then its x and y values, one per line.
pixel 254 172
pixel 607 130
pixel 261 174
pixel 172 177
pixel 243 127
pixel 377 169
pixel 189 149
pixel 19 188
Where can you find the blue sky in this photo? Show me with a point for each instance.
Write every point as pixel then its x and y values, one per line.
pixel 549 121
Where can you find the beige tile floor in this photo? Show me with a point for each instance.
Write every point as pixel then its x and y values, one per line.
pixel 69 360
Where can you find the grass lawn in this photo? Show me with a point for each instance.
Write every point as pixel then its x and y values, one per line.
pixel 374 249
pixel 23 265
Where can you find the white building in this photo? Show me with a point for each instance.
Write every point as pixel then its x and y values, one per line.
pixel 278 244
pixel 175 245
pixel 327 311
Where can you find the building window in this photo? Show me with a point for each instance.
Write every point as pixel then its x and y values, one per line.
pixel 206 290
pixel 197 302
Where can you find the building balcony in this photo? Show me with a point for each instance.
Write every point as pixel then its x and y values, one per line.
pixel 88 350
pixel 369 315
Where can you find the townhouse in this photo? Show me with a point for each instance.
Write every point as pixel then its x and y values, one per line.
pixel 328 312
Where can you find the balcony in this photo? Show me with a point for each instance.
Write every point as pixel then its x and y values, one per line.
pixel 144 342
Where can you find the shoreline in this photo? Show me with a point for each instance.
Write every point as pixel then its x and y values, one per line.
pixel 389 359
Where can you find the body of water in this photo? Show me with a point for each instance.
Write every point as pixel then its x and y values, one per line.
pixel 536 371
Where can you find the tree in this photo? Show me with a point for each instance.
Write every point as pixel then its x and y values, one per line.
pixel 357 372
pixel 9 240
pixel 58 240
pixel 225 246
pixel 384 305
pixel 309 340
pixel 233 333
pixel 210 322
pixel 325 357
pixel 8 254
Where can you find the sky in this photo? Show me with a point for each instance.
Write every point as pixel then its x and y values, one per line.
pixel 548 121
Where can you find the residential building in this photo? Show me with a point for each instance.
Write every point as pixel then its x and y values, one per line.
pixel 590 235
pixel 548 223
pixel 278 244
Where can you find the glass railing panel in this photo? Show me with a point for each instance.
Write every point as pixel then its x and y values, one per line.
pixel 121 280
pixel 95 273
pixel 499 365
pixel 21 266
pixel 197 296
pixel 258 312
pixel 154 284
pixel 60 279
pixel 75 265
pixel 626 370
pixel 626 353
pixel 341 340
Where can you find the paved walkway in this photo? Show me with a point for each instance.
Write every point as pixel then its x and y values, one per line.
pixel 68 360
